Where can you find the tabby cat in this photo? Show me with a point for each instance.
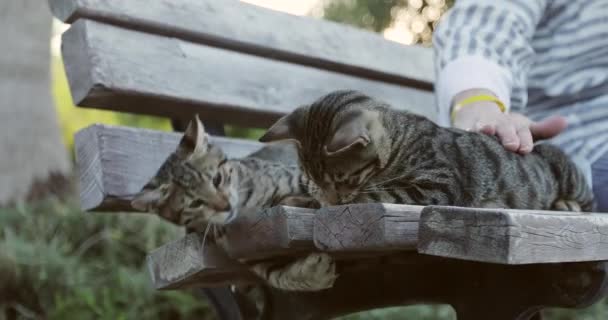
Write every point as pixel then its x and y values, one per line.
pixel 357 149
pixel 197 186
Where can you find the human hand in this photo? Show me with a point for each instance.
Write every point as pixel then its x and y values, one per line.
pixel 515 131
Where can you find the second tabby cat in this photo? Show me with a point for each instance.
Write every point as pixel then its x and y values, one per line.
pixel 357 149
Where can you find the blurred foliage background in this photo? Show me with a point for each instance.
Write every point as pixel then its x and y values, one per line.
pixel 58 261
pixel 405 21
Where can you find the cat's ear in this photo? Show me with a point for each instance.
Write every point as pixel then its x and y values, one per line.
pixel 280 130
pixel 146 199
pixel 349 135
pixel 195 140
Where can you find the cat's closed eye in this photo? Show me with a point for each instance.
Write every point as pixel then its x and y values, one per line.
pixel 197 203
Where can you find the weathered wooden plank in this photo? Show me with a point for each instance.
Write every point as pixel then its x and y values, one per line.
pixel 513 236
pixel 152 74
pixel 272 232
pixel 116 162
pixel 186 263
pixel 366 227
pixel 275 232
pixel 270 34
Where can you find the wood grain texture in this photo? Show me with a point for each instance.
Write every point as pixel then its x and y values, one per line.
pixel 151 74
pixel 275 35
pixel 278 231
pixel 513 236
pixel 367 227
pixel 116 162
pixel 186 263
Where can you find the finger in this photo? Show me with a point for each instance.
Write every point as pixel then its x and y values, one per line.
pixel 525 140
pixel 548 128
pixel 508 135
pixel 487 127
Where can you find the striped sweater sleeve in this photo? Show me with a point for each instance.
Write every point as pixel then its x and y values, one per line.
pixel 485 44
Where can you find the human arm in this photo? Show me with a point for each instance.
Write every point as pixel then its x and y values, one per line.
pixel 483 47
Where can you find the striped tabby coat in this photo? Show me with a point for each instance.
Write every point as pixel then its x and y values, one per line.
pixel 357 149
pixel 198 187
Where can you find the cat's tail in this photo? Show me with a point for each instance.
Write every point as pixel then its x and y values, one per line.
pixel 574 189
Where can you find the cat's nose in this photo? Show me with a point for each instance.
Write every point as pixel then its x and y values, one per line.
pixel 344 190
pixel 223 206
pixel 227 207
pixel 331 198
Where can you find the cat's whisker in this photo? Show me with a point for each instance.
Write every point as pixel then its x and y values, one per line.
pixel 209 225
pixel 389 180
pixel 376 188
pixel 383 189
pixel 394 188
pixel 370 192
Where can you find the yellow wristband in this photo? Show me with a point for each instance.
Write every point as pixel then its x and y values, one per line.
pixel 477 98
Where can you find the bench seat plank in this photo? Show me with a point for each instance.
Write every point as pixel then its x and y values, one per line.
pixel 513 236
pixel 367 227
pixel 278 231
pixel 116 162
pixel 275 232
pixel 186 263
pixel 268 33
pixel 151 74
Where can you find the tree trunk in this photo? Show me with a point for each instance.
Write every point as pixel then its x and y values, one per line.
pixel 33 160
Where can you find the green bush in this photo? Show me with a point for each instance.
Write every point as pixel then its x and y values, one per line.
pixel 66 264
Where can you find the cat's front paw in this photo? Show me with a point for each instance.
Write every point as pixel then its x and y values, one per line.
pixel 300 201
pixel 318 272
pixel 567 205
pixel 315 272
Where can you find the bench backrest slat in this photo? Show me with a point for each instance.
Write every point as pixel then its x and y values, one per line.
pixel 116 162
pixel 275 35
pixel 113 68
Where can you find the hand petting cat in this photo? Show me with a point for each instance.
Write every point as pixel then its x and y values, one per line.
pixel 515 131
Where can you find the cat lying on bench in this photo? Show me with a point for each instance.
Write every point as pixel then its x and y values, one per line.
pixel 198 187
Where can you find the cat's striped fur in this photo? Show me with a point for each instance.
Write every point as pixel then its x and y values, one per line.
pixel 358 149
pixel 198 187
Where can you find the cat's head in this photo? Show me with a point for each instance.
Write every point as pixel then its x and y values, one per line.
pixel 341 140
pixel 195 182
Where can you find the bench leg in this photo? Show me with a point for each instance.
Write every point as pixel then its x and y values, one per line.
pixel 224 303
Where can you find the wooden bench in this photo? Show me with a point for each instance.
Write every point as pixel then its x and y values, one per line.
pixel 234 63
